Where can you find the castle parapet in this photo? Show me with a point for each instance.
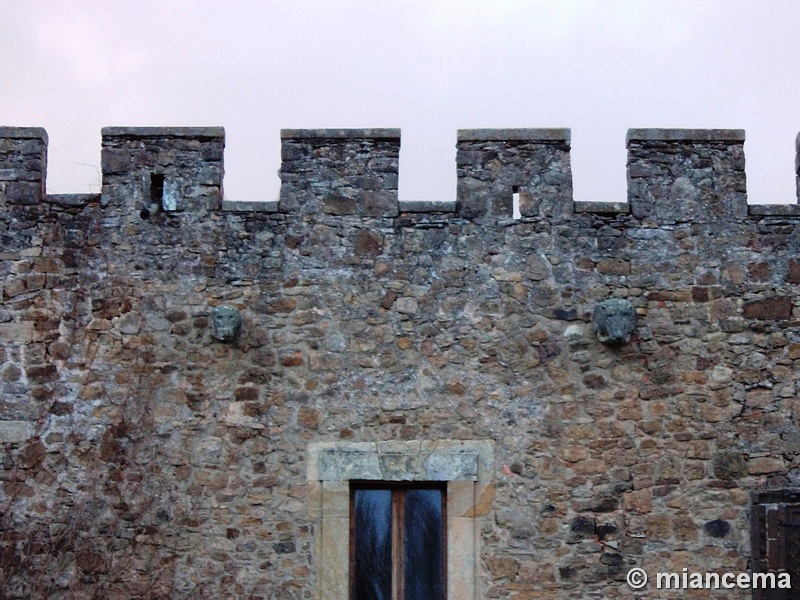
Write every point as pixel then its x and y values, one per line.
pixel 674 175
pixel 495 164
pixel 340 171
pixel 687 175
pixel 169 169
pixel 23 165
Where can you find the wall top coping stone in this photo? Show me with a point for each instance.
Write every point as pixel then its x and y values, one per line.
pixel 327 134
pixel 684 135
pixel 150 132
pixel 552 134
pixel 23 133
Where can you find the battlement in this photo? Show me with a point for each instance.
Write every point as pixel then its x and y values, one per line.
pixel 674 175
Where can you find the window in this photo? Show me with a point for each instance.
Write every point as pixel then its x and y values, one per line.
pixel 397 541
pixel 461 473
pixel 775 537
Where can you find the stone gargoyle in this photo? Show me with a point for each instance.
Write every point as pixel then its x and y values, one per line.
pixel 614 321
pixel 225 322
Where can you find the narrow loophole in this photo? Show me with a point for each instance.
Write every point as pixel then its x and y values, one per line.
pixel 156 196
pixel 156 188
pixel 516 214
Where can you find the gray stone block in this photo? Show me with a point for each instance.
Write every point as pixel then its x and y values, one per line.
pixel 14 432
pixel 451 467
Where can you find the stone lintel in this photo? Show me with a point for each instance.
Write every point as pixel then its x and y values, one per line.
pixel 542 134
pixel 602 207
pixel 774 210
pixel 353 134
pixel 13 432
pixel 395 466
pixel 270 206
pixel 427 206
pixel 446 460
pixel 24 133
pixel 684 135
pixel 164 132
pixel 776 495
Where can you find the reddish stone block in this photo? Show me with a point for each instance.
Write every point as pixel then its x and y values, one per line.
pixel 793 271
pixel 769 309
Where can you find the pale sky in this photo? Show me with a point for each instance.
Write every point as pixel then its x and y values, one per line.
pixel 429 68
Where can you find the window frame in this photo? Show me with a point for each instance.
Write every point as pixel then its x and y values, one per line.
pixel 774 519
pixel 398 490
pixel 466 468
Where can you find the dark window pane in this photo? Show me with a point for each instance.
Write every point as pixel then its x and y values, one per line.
pixel 423 545
pixel 373 545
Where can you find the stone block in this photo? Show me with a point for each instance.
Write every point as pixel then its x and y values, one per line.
pixel 769 309
pixel 13 432
pixel 442 466
pixel 334 560
pixel 462 546
pixel 16 333
pixel 346 465
pixel 23 193
pixel 336 499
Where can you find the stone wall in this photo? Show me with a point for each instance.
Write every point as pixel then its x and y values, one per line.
pixel 144 458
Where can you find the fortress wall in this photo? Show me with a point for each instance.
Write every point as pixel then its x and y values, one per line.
pixel 170 463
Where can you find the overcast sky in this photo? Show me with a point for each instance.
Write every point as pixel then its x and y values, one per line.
pixel 429 68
